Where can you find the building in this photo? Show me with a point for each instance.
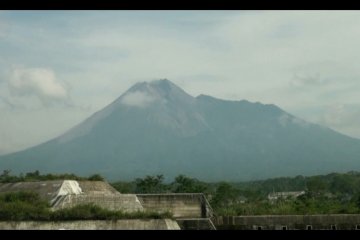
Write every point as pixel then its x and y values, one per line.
pixel 284 195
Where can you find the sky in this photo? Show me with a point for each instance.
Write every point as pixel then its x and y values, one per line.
pixel 59 67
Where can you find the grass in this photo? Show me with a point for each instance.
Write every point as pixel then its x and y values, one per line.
pixel 25 206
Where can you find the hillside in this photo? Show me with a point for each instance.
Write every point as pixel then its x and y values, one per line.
pixel 157 128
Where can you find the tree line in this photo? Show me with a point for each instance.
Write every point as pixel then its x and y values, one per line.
pixel 324 194
pixel 7 177
pixel 335 193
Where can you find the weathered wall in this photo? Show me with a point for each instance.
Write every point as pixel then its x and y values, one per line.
pixel 273 222
pixel 96 192
pixel 125 202
pixel 196 224
pixel 97 187
pixel 134 224
pixel 49 189
pixel 46 189
pixel 182 205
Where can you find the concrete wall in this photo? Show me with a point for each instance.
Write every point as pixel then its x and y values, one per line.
pixel 49 189
pixel 134 224
pixel 96 192
pixel 196 224
pixel 125 202
pixel 46 189
pixel 278 222
pixel 182 205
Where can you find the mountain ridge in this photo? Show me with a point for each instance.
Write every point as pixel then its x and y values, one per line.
pixel 157 128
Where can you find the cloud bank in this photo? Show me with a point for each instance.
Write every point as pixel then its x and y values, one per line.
pixel 39 82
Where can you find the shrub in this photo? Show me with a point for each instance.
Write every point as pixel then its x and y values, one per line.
pixel 20 206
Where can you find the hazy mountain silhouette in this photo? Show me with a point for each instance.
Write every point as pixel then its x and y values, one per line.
pixel 157 128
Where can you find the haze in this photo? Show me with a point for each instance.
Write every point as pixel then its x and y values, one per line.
pixel 59 67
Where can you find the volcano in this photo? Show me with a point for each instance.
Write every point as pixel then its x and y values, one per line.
pixel 157 128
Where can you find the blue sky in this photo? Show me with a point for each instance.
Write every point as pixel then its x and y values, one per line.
pixel 59 67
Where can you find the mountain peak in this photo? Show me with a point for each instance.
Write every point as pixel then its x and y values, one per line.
pixel 161 89
pixel 155 127
pixel 161 85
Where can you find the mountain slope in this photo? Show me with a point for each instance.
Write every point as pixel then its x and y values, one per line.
pixel 157 128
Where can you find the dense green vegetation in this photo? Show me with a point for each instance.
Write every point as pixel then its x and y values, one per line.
pixel 334 193
pixel 21 206
pixel 6 177
pixel 155 184
pixel 324 194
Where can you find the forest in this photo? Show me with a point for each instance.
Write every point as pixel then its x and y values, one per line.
pixel 333 193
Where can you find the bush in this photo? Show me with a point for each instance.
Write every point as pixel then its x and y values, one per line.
pixel 22 206
pixel 95 177
pixel 93 212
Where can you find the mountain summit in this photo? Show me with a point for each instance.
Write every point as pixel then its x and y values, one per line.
pixel 157 128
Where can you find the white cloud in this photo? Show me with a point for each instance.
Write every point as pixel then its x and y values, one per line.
pixel 305 81
pixel 40 82
pixel 137 99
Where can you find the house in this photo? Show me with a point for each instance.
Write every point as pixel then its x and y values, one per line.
pixel 284 195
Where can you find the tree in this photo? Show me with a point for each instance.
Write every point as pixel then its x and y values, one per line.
pixel 96 177
pixel 33 175
pixel 315 185
pixel 225 195
pixel 342 183
pixel 6 177
pixel 183 184
pixel 124 187
pixel 358 202
pixel 150 184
